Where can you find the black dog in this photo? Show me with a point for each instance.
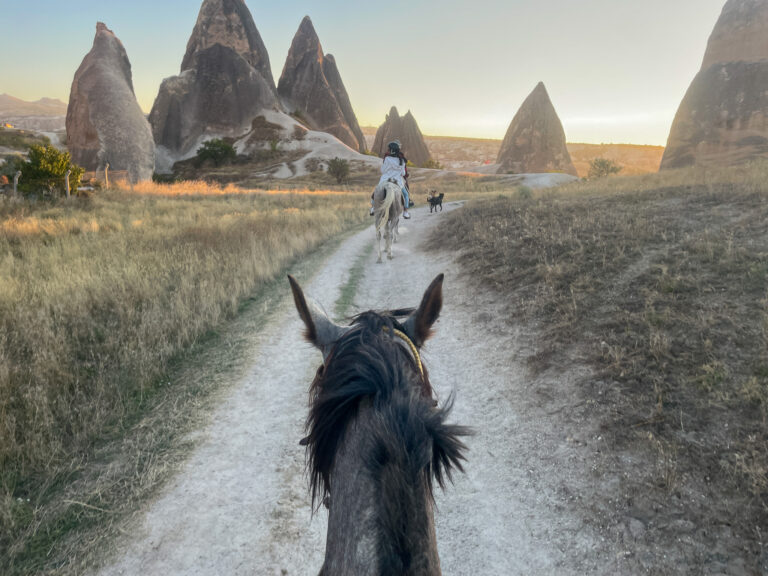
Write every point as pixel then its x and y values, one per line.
pixel 435 201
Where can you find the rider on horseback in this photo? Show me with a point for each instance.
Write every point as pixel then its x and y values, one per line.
pixel 394 169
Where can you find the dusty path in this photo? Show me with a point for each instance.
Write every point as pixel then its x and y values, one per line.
pixel 240 505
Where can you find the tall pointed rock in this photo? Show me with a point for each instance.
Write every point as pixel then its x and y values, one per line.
pixel 225 81
pixel 535 140
pixel 311 86
pixel 405 129
pixel 104 121
pixel 723 118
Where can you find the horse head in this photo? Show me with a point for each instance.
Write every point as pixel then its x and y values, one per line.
pixel 377 441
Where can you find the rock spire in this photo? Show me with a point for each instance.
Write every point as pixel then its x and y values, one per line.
pixel 225 81
pixel 104 121
pixel 311 88
pixel 723 118
pixel 535 140
pixel 407 131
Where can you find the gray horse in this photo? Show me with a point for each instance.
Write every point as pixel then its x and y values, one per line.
pixel 387 210
pixel 377 441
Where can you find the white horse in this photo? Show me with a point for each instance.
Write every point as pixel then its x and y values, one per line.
pixel 387 210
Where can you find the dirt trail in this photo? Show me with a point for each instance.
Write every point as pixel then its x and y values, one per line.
pixel 240 506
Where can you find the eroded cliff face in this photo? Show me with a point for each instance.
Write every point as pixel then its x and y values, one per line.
pixel 722 118
pixel 104 121
pixel 225 81
pixel 311 87
pixel 406 129
pixel 535 140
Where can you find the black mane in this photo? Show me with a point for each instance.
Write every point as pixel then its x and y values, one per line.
pixel 369 363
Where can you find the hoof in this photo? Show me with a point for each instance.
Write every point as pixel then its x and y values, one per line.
pixel 389 256
pixel 379 261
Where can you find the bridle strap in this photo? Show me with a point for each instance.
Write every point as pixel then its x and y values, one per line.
pixel 404 337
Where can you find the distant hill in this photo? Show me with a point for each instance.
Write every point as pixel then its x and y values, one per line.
pixel 456 153
pixel 11 106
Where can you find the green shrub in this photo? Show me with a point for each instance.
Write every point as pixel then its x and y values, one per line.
pixel 46 170
pixel 339 169
pixel 217 151
pixel 433 164
pixel 602 167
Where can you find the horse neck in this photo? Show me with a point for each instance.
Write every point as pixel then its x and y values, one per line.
pixel 382 526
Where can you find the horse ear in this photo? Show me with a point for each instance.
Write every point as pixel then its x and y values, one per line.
pixel 418 326
pixel 320 330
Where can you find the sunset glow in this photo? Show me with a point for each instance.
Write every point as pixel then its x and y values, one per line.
pixel 616 69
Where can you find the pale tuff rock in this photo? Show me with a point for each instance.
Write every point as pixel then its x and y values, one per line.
pixel 722 118
pixel 225 81
pixel 535 140
pixel 406 130
pixel 311 87
pixel 104 121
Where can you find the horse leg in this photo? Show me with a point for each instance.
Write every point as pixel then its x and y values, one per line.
pixel 378 244
pixel 389 241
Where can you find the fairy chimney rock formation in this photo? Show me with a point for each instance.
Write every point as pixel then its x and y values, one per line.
pixel 722 118
pixel 406 130
pixel 225 81
pixel 104 120
pixel 311 87
pixel 535 140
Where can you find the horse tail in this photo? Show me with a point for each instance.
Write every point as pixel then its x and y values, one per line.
pixel 386 204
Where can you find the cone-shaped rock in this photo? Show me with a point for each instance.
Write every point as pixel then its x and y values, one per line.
pixel 225 80
pixel 311 85
pixel 535 140
pixel 407 131
pixel 722 118
pixel 104 120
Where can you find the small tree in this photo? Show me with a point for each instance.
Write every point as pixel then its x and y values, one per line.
pixel 46 168
pixel 339 169
pixel 217 151
pixel 433 164
pixel 602 167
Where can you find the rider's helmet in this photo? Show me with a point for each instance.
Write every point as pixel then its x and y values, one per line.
pixel 394 147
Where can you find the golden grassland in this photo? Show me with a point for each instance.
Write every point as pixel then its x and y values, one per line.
pixel 660 283
pixel 633 159
pixel 99 294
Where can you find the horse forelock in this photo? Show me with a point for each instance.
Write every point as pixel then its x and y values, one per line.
pixel 367 362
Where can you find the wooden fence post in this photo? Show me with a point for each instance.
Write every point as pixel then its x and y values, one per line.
pixel 16 182
pixel 106 176
pixel 66 182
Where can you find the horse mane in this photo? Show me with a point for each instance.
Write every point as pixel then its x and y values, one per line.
pixel 368 363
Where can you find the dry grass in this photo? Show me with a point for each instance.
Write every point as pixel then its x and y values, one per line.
pixel 98 296
pixel 633 159
pixel 660 282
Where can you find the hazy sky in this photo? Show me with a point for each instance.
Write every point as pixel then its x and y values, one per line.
pixel 616 69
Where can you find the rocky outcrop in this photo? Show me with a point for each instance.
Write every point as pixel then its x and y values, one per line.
pixel 104 120
pixel 225 81
pixel 722 118
pixel 535 140
pixel 407 131
pixel 311 88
